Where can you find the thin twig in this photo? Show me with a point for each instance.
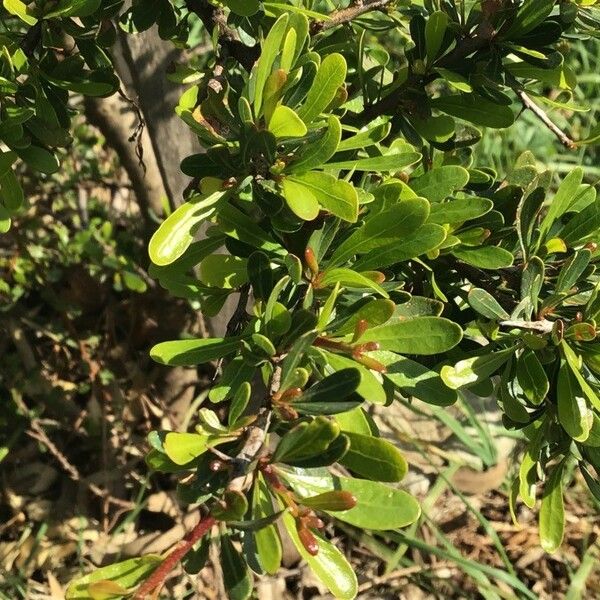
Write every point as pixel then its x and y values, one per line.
pixel 543 326
pixel 529 104
pixel 345 15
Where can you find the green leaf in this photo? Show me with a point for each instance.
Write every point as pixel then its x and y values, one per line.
pixel 473 370
pixel 439 183
pixel 317 153
pixel 369 388
pixel 306 440
pixel 21 10
pixel 183 448
pixel 236 575
pixel 270 50
pixel 435 30
pixel 422 335
pixel 374 312
pixel 244 8
pixel 415 379
pixel 127 574
pixel 193 352
pixel 475 109
pixel 11 192
pixel 286 123
pixel 572 270
pixel 484 257
pixel 532 377
pixel 562 200
pixel 378 507
pixel 176 233
pixel 350 279
pixel 552 511
pixel 382 229
pixel 329 565
pixel 459 210
pixel 39 159
pixel 364 139
pixel 301 200
pixel 335 195
pixel 573 412
pixel 333 388
pixel 374 458
pixel 529 16
pixel 236 224
pixel 435 129
pixel 424 239
pixel 294 357
pixel 268 543
pixel 6 161
pixel 330 77
pixel 456 80
pixel 385 163
pixel 224 271
pixel 485 304
pixel 73 8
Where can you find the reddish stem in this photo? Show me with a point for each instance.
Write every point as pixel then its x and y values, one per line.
pixel 157 579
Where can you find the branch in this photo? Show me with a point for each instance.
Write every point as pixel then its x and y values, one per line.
pixel 528 103
pixel 214 19
pixel 543 326
pixel 345 15
pixel 153 584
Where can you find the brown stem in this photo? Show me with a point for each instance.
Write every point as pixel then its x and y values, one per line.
pixel 213 18
pixel 529 104
pixel 345 15
pixel 157 579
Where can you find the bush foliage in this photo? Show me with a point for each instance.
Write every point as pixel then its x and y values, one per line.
pixel 368 256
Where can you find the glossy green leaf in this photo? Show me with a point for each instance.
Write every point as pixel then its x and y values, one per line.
pixel 295 356
pixel 423 335
pixel 73 8
pixel 385 163
pixel 21 10
pixel 415 379
pixel 378 506
pixel 424 239
pixel 369 388
pixel 330 77
pixel 350 279
pixel 315 154
pixel 439 183
pixel 473 370
pixel 286 123
pixel 193 352
pixel 306 440
pixel 529 16
pixel 552 511
pixel 562 199
pixel 268 543
pixel 363 139
pixel 176 233
pixel 485 304
pixel 244 8
pixel 459 210
pixel 301 199
pixel 435 30
pixel 127 574
pixel 270 50
pixel 236 575
pixel 182 448
pixel 374 312
pixel 335 195
pixel 374 458
pixel 475 109
pixel 329 565
pixel 572 270
pixel 484 257
pixel 532 377
pixel 383 229
pixel 333 388
pixel 224 271
pixel 39 159
pixel 573 412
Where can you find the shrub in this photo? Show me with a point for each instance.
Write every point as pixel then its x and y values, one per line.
pixel 368 254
